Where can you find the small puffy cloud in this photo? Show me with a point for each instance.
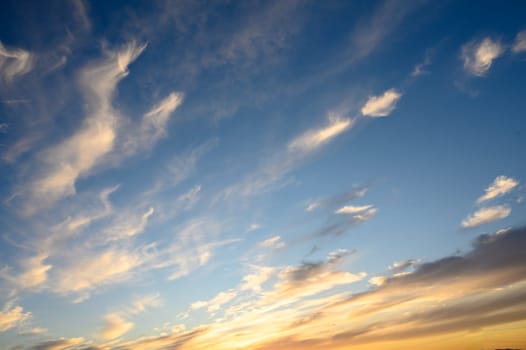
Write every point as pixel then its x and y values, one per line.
pixel 14 63
pixel 273 242
pixel 313 139
pixel 115 326
pixel 382 105
pixel 479 56
pixel 520 42
pixel 12 316
pixel 486 215
pixel 499 187
pixel 377 280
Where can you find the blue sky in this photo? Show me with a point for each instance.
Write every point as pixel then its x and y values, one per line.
pixel 255 174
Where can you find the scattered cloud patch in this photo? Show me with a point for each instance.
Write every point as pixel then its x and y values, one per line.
pixel 479 56
pixel 499 187
pixel 486 215
pixel 382 105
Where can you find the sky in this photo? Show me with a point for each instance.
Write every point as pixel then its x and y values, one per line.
pixel 262 175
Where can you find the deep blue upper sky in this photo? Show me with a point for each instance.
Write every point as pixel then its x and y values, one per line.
pixel 154 154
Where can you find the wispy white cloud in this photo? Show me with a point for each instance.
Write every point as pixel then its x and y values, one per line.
pixel 12 316
pixel 479 56
pixel 80 153
pixel 14 63
pixel 519 45
pixel 486 215
pixel 499 187
pixel 153 124
pixel 382 105
pixel 115 326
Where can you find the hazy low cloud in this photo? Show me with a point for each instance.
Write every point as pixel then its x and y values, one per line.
pixel 499 187
pixel 479 56
pixel 486 215
pixel 382 105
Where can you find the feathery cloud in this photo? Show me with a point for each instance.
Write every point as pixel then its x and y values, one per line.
pixel 499 187
pixel 486 215
pixel 382 105
pixel 479 56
